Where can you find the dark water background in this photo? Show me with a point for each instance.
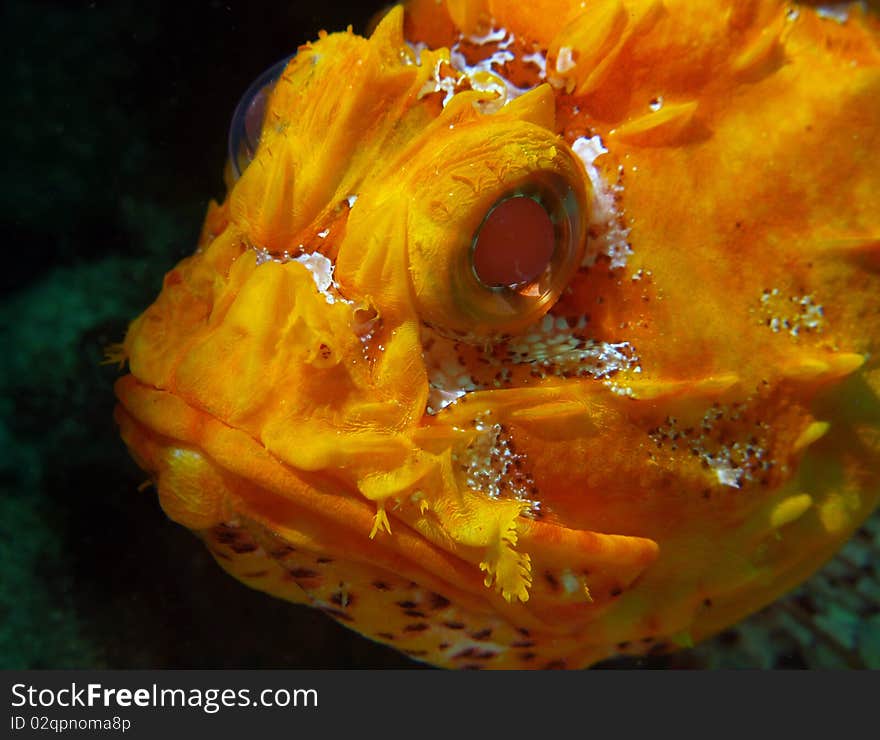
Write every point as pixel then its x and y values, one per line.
pixel 115 126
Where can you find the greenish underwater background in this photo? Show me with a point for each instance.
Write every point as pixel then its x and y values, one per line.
pixel 115 124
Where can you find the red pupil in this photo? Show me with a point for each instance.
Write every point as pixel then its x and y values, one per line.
pixel 515 243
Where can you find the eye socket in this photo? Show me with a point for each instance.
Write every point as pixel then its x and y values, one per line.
pixel 247 120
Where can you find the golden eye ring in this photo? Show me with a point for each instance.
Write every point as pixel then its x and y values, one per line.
pixel 525 251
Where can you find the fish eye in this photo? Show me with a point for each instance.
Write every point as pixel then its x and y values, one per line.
pixel 515 243
pixel 492 260
pixel 530 243
pixel 247 120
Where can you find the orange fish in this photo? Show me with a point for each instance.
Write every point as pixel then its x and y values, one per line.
pixel 533 333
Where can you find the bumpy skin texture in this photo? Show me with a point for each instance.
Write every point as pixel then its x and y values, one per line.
pixel 693 431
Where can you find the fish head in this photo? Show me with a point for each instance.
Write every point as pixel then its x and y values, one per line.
pixel 533 339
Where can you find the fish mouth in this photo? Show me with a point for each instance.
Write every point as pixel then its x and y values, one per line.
pixel 209 475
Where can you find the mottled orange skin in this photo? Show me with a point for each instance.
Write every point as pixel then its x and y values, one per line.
pixel 304 456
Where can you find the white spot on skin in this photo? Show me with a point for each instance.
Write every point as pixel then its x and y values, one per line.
pixel 493 36
pixel 796 315
pixel 733 463
pixel 539 60
pixel 482 75
pixel 317 264
pixel 838 12
pixel 561 354
pixel 263 256
pixel 439 398
pixel 554 347
pixel 565 60
pixel 494 83
pixel 728 476
pixel 491 467
pixel 440 84
pixel 612 238
pixel 619 390
pixel 445 375
pixel 417 50
pixel 322 273
pixel 571 584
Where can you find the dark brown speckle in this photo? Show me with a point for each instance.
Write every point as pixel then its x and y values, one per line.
pixel 418 627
